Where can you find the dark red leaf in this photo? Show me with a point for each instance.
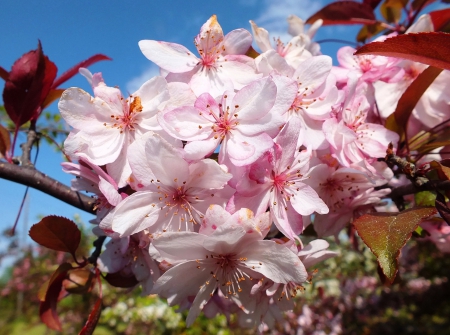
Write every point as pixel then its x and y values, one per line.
pixel 74 70
pixel 344 12
pixel 372 3
pixel 56 233
pixel 50 75
pixel 428 48
pixel 440 19
pixel 386 234
pixel 442 207
pixel 118 280
pixel 4 74
pixel 28 84
pixel 416 4
pixel 93 318
pixel 47 309
pixel 398 120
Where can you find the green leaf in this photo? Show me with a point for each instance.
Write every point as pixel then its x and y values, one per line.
pixel 425 198
pixel 56 233
pixel 386 234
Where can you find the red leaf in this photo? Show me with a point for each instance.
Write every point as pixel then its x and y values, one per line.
pixel 47 308
pixel 118 280
pixel 344 12
pixel 5 141
pixel 28 84
pixel 398 120
pixel 386 234
pixel 428 48
pixel 56 233
pixel 93 318
pixel 440 19
pixel 372 3
pixel 4 74
pixel 74 70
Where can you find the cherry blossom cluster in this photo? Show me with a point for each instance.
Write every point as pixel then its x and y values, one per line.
pixel 207 175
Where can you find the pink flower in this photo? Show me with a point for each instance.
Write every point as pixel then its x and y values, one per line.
pixel 130 257
pixel 351 138
pixel 277 181
pixel 243 123
pixel 439 234
pixel 222 64
pixel 231 258
pixel 172 195
pixel 105 125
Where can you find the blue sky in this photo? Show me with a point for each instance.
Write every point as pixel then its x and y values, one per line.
pixel 73 31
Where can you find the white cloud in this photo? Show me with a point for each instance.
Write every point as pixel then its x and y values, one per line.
pixel 275 13
pixel 136 82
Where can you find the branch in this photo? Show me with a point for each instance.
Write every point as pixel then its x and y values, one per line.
pixel 432 185
pixel 31 177
pixel 25 159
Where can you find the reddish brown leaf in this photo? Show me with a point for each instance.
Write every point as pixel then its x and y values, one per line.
pixel 398 120
pixel 442 207
pixel 443 171
pixel 5 141
pixel 92 321
pixel 118 280
pixel 56 233
pixel 60 271
pixel 428 48
pixel 440 19
pixel 252 52
pixel 53 95
pixel 369 30
pixel 392 10
pixel 74 70
pixel 28 84
pixel 4 74
pixel 79 281
pixel 386 234
pixel 344 12
pixel 47 309
pixel 416 4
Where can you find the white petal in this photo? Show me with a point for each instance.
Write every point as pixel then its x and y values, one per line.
pixel 136 213
pixel 255 100
pixel 274 261
pixel 165 162
pixel 169 56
